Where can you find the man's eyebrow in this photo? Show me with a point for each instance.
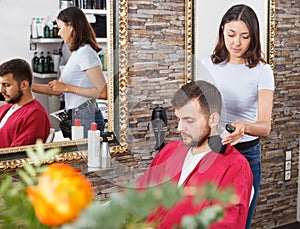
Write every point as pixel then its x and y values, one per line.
pixel 186 117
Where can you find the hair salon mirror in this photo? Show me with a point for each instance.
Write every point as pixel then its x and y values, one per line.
pixel 117 95
pixel 202 22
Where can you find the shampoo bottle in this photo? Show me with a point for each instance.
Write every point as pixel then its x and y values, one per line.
pixel 94 146
pixel 77 130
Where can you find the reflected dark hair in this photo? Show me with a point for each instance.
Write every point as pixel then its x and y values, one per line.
pixel 208 96
pixel 246 14
pixel 83 32
pixel 19 68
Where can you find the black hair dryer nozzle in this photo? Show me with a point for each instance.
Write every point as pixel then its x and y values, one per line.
pixel 159 126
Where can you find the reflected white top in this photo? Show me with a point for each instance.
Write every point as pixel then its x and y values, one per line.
pixel 74 73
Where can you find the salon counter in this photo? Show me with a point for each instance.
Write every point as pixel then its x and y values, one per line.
pixel 123 171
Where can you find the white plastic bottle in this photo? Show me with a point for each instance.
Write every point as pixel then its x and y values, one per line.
pixel 105 154
pixel 94 146
pixel 34 33
pixel 228 130
pixel 77 130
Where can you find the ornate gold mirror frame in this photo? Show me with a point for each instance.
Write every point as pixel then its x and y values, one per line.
pixel 14 157
pixel 190 39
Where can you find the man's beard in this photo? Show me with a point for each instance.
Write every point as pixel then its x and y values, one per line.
pixel 16 98
pixel 201 140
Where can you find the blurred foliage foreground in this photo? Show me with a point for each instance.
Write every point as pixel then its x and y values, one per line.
pixel 58 196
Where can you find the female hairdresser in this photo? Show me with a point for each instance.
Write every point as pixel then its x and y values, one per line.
pixel 247 86
pixel 81 80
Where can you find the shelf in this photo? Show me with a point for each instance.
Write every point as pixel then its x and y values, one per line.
pixel 101 40
pixel 59 40
pixel 44 76
pixel 94 11
pixel 46 40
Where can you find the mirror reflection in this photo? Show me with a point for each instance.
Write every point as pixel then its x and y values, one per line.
pixel 208 34
pixel 18 35
pixel 201 39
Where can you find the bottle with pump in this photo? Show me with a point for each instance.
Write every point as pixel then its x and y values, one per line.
pixel 55 30
pixel 77 130
pixel 46 65
pixel 51 63
pixel 94 147
pixel 50 25
pixel 46 31
pixel 105 153
pixel 104 4
pixel 34 33
pixel 35 62
pixel 41 63
pixel 40 27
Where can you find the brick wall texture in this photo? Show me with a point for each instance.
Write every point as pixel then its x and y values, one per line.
pixel 156 71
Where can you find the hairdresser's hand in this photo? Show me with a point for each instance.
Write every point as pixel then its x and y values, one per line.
pixel 235 137
pixel 57 86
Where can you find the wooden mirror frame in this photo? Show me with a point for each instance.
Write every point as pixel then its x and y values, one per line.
pixel 190 44
pixel 14 157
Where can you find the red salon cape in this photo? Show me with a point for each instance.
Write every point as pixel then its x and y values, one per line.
pixel 228 169
pixel 27 124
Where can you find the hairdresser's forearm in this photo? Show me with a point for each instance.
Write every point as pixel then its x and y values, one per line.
pixel 43 89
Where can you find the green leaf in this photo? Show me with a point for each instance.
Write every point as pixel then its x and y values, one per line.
pixel 33 157
pixel 51 153
pixel 29 169
pixel 26 178
pixel 204 219
pixel 5 183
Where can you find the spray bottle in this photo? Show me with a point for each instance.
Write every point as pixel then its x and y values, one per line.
pixel 105 153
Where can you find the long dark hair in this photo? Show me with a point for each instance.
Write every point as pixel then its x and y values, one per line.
pixel 246 14
pixel 83 32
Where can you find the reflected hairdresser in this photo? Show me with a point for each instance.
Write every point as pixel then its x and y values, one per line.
pixel 82 80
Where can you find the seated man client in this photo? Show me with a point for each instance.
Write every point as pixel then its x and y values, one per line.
pixel 23 119
pixel 191 161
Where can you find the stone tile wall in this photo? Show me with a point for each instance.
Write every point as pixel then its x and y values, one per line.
pixel 277 204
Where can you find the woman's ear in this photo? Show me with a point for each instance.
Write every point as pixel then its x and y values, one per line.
pixel 214 119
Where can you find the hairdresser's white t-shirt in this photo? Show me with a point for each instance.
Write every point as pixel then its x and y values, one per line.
pixel 74 73
pixel 239 86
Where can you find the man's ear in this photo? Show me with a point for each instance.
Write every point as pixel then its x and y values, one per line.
pixel 24 85
pixel 214 120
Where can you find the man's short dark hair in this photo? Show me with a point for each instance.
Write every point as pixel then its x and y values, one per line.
pixel 207 94
pixel 19 68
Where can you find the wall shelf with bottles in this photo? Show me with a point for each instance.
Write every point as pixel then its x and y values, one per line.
pixel 45 40
pixel 58 40
pixel 44 75
pixel 94 11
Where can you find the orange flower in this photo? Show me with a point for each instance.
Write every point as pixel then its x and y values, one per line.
pixel 61 194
